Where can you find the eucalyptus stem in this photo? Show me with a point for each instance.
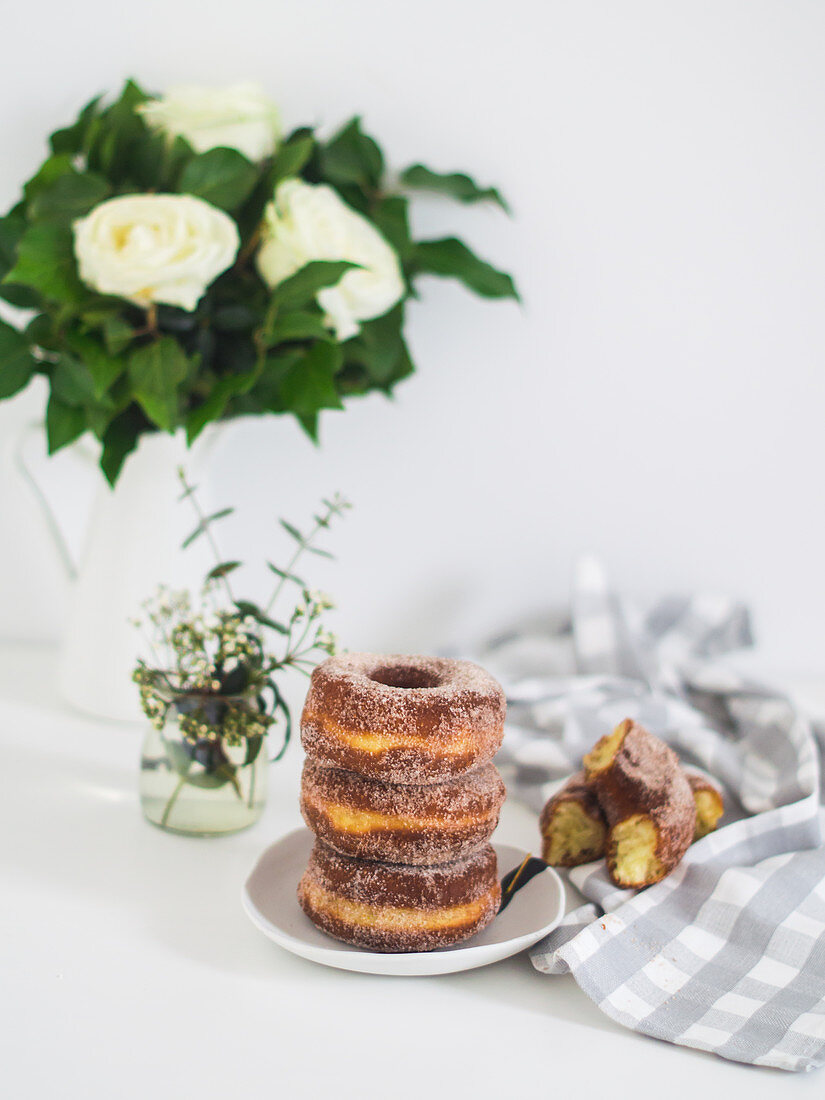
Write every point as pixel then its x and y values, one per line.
pixel 206 526
pixel 304 544
pixel 210 659
pixel 302 638
pixel 172 800
pixel 251 798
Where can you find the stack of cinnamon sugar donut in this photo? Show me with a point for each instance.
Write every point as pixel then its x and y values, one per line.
pixel 400 792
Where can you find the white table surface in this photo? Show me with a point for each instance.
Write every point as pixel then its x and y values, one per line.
pixel 128 968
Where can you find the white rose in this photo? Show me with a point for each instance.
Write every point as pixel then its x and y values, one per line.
pixel 312 222
pixel 155 248
pixel 240 117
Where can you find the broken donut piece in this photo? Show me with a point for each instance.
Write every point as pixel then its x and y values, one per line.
pixel 709 804
pixel 647 801
pixel 573 827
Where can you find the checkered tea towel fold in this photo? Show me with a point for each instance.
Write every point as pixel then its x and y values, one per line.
pixel 727 954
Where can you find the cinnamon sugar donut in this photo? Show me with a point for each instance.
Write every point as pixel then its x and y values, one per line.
pixel 436 823
pixel 395 907
pixel 415 720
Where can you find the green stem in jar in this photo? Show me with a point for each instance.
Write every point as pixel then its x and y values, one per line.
pixel 172 800
pixel 251 797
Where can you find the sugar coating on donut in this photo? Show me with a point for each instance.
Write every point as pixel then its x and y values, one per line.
pixel 475 793
pixel 403 886
pixel 397 908
pixel 430 696
pixel 415 824
pixel 400 718
pixel 630 763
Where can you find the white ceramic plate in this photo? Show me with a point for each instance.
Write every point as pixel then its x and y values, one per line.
pixel 271 904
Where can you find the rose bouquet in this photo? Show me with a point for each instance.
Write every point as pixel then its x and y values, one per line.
pixel 180 260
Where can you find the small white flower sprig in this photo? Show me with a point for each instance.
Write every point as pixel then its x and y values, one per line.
pixel 215 659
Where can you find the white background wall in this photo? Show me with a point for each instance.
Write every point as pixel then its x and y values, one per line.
pixel 659 399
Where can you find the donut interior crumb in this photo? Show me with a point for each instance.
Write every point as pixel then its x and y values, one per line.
pixel 709 809
pixel 634 860
pixel 601 755
pixel 572 836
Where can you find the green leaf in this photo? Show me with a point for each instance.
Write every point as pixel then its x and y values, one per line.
pixel 310 385
pixel 72 381
pixel 120 145
pixel 99 417
pixel 64 423
pixel 222 775
pixel 253 749
pixel 117 334
pixel 300 289
pixel 378 346
pixel 282 706
pixel 16 362
pixel 42 332
pixel 46 263
pixel 298 325
pixel 391 217
pixel 175 155
pixel 145 160
pixel 103 367
pixel 119 440
pixel 274 369
pixel 309 424
pixel 214 405
pixel 293 531
pixel 72 138
pixel 455 184
pixel 246 607
pixel 451 258
pixel 49 171
pixel 156 371
pixel 21 297
pixel 352 157
pixel 292 156
pixel 70 196
pixel 223 570
pixel 12 228
pixel 223 177
pixel 405 366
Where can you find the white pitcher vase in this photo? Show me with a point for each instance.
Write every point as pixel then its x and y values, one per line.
pixel 133 544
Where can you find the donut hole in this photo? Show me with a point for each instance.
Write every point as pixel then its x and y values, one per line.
pixel 405 676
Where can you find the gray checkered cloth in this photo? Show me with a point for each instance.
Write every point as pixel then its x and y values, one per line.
pixel 727 954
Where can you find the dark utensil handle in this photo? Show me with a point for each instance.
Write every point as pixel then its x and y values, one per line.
pixel 518 877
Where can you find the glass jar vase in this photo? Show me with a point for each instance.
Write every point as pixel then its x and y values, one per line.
pixel 203 768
